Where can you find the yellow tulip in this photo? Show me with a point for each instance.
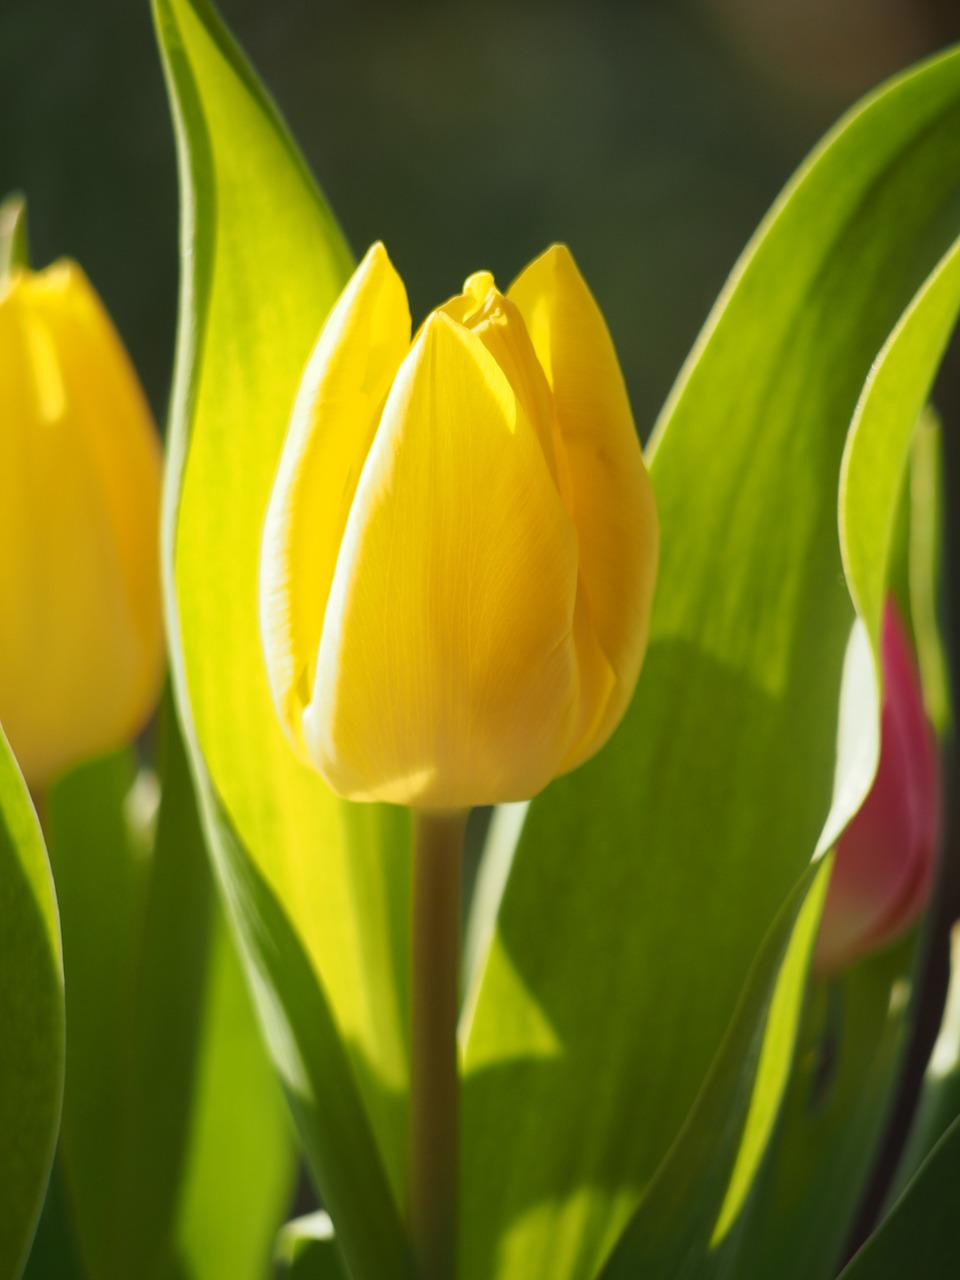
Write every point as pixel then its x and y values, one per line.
pixel 461 544
pixel 81 640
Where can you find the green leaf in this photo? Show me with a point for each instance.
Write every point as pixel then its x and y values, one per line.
pixel 171 1110
pixel 306 1250
pixel 939 1102
pixel 925 544
pixel 643 884
pixel 263 261
pixel 878 447
pixel 330 1116
pixel 237 1180
pixel 31 1017
pixel 915 576
pixel 162 1030
pixel 670 1235
pixel 206 1164
pixel 101 888
pixel 831 1127
pixel 919 1238
pixel 848 1058
pixel 54 1251
pixel 14 247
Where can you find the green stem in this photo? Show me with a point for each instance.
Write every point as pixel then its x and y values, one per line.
pixel 434 1007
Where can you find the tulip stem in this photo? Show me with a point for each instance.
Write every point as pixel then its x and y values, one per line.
pixel 434 1008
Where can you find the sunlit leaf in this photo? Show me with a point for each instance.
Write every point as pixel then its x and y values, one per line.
pixel 670 1234
pixel 319 890
pixel 643 884
pixel 31 1017
pixel 924 554
pixel 236 1183
pixel 856 1026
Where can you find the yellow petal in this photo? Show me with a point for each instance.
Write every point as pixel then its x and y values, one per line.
pixel 496 321
pixel 601 471
pixel 363 341
pixel 81 640
pixel 447 672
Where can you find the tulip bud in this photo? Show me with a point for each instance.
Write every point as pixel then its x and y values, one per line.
pixel 461 545
pixel 884 862
pixel 81 640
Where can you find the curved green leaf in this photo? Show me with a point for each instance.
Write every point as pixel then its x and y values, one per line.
pixel 263 261
pixel 878 446
pixel 31 1017
pixel 848 1059
pixel 54 1250
pixel 924 549
pixel 670 1235
pixel 919 1238
pixel 915 577
pixel 644 883
pixel 836 1111
pixel 939 1102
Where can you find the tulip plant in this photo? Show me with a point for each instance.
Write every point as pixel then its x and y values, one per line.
pixel 421 591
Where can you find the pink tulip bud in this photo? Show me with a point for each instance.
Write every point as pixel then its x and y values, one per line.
pixel 885 860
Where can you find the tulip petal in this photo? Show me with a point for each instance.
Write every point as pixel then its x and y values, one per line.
pixel 604 478
pixel 357 355
pixel 447 672
pixel 886 858
pixel 81 656
pixel 497 322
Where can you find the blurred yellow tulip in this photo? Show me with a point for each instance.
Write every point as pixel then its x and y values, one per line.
pixel 81 640
pixel 461 546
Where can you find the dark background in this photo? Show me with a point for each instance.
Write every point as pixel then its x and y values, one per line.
pixel 650 135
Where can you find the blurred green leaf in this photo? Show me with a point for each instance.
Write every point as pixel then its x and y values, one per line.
pixel 54 1252
pixel 811 1186
pixel 14 248
pixel 237 1181
pixel 318 890
pixel 939 1102
pixel 919 1238
pixel 207 1133
pixel 31 1017
pixel 163 1028
pixel 643 884
pixel 171 1111
pixel 306 1250
pixel 101 889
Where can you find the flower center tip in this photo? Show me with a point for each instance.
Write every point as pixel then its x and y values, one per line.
pixel 478 286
